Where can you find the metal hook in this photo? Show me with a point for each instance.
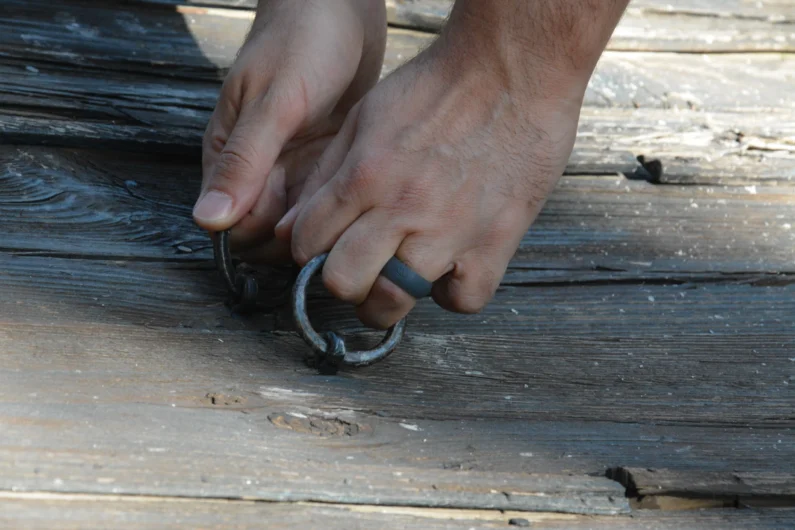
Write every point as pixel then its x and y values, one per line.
pixel 329 351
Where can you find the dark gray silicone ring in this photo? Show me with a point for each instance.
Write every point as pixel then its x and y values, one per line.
pixel 401 275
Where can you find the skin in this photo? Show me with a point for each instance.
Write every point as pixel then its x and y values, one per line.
pixel 445 163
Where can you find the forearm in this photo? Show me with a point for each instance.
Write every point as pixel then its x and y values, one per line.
pixel 552 44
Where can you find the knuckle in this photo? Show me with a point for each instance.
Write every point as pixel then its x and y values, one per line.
pixel 415 197
pixel 299 249
pixel 468 303
pixel 341 285
pixel 214 140
pixel 361 178
pixel 351 188
pixel 471 293
pixel 235 162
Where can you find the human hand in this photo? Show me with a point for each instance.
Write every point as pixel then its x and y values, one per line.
pixel 302 68
pixel 444 164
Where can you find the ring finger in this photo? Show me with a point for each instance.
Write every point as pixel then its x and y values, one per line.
pixel 387 303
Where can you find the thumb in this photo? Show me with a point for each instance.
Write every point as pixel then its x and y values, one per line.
pixel 239 172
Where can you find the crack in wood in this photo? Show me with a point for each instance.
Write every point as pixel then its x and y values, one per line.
pixel 673 489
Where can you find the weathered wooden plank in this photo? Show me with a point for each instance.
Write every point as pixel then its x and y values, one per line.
pixel 692 519
pixel 166 469
pixel 732 81
pixel 201 44
pixel 693 147
pixel 778 11
pixel 190 295
pixel 86 512
pixel 666 226
pixel 140 449
pixel 749 486
pixel 234 415
pixel 70 94
pixel 225 4
pixel 434 11
pixel 26 131
pixel 682 26
pixel 671 378
pixel 189 42
pixel 254 388
pixel 657 29
pixel 181 44
pixel 82 205
pixel 125 408
pixel 170 114
pixel 686 26
pixel 113 205
pixel 427 15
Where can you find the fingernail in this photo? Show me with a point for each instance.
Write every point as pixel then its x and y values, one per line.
pixel 213 207
pixel 287 219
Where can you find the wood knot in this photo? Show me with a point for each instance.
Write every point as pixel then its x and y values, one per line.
pixel 324 427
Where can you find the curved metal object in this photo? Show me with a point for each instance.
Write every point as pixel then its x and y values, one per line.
pixel 332 345
pixel 223 260
pixel 243 288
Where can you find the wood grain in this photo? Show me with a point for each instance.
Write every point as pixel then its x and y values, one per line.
pixel 204 450
pixel 186 43
pixel 254 387
pixel 692 147
pixel 778 11
pixel 201 44
pixel 714 135
pixel 113 205
pixel 748 486
pixel 87 512
pixel 640 326
pixel 214 413
pixel 681 26
pixel 674 379
pixel 191 295
pixel 55 194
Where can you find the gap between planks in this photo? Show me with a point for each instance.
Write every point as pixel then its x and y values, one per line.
pixel 430 513
pixel 83 513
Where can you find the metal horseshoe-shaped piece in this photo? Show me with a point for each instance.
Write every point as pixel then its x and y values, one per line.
pixel 330 349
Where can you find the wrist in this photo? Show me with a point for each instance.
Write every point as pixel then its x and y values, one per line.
pixel 545 48
pixel 268 10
